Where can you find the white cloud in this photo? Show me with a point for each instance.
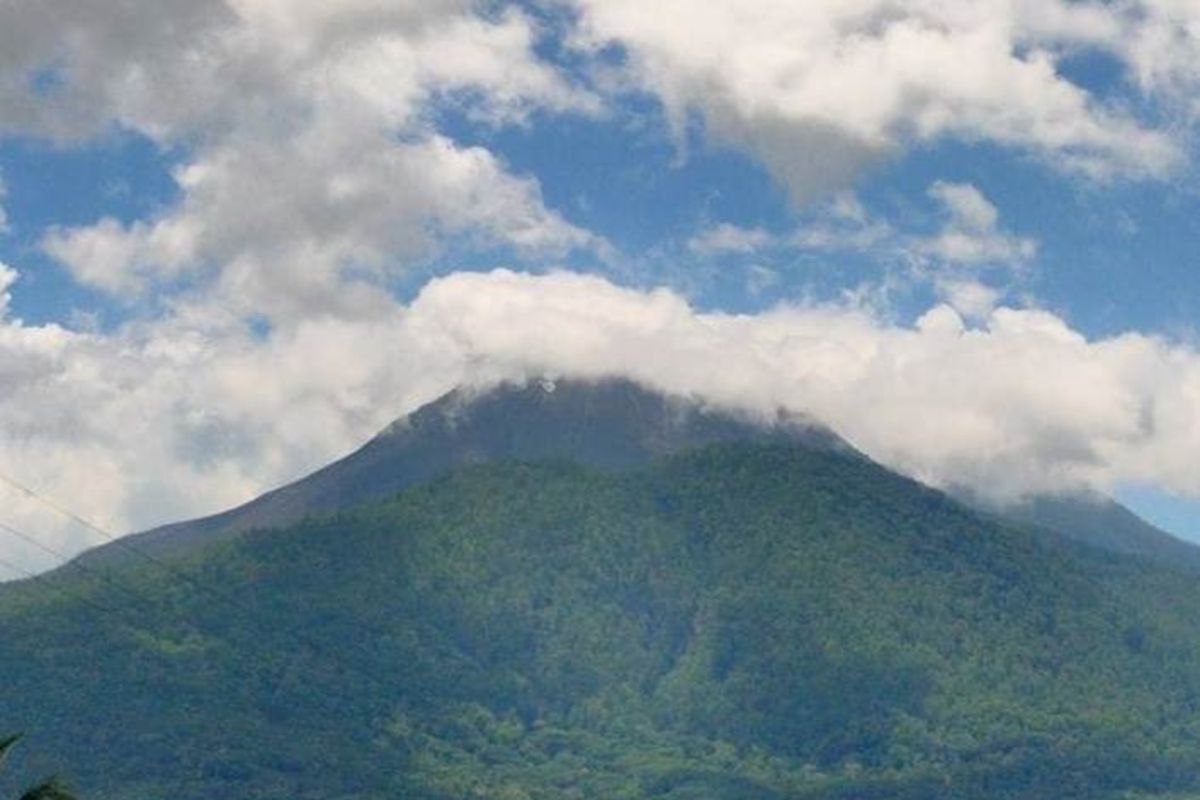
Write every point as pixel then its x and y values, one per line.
pixel 287 241
pixel 968 208
pixel 8 276
pixel 1021 403
pixel 972 233
pixel 186 415
pixel 179 68
pixel 727 238
pixel 1162 45
pixel 162 420
pixel 314 169
pixel 844 223
pixel 970 298
pixel 819 90
pixel 969 235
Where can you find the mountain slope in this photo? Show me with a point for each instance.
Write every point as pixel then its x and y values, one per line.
pixel 1102 522
pixel 743 620
pixel 611 424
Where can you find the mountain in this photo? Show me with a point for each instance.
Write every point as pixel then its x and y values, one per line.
pixel 1102 522
pixel 743 612
pixel 610 424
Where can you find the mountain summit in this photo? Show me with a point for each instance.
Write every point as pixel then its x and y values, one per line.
pixel 609 424
pixel 612 424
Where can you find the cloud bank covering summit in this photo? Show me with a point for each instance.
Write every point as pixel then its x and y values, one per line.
pixel 238 237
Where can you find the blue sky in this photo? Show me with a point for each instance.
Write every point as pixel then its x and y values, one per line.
pixel 1111 258
pixel 221 218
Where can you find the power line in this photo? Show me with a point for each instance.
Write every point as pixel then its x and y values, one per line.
pixel 74 564
pixel 67 513
pixel 120 542
pixel 171 569
pixel 51 503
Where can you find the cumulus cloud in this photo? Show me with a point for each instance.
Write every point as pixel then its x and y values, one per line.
pixel 844 223
pixel 287 241
pixel 162 420
pixel 313 162
pixel 211 68
pixel 820 90
pixel 1020 403
pixel 313 168
pixel 185 415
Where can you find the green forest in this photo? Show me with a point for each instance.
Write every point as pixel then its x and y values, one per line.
pixel 741 621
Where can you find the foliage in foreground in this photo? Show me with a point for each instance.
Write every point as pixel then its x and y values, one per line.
pixel 49 789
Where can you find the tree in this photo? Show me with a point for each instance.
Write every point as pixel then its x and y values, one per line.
pixel 49 789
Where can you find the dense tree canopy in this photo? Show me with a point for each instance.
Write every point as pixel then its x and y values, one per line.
pixel 742 621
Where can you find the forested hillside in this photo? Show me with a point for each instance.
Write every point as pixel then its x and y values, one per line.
pixel 740 621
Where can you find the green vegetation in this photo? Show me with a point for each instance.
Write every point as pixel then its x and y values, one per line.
pixel 743 621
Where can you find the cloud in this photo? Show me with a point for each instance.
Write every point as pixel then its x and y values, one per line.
pixel 1161 46
pixel 726 238
pixel 844 223
pixel 821 90
pixel 313 168
pixel 1021 403
pixel 286 241
pixel 8 276
pixel 212 68
pixel 970 298
pixel 160 420
pixel 194 412
pixel 971 234
pixel 3 213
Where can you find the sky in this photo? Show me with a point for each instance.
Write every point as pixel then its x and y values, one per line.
pixel 239 237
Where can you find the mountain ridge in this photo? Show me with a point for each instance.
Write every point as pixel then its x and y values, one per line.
pixel 1096 520
pixel 610 424
pixel 614 424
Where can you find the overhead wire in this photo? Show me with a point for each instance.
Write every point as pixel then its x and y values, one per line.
pixel 34 577
pixel 122 543
pixel 160 563
pixel 67 561
pixel 110 538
